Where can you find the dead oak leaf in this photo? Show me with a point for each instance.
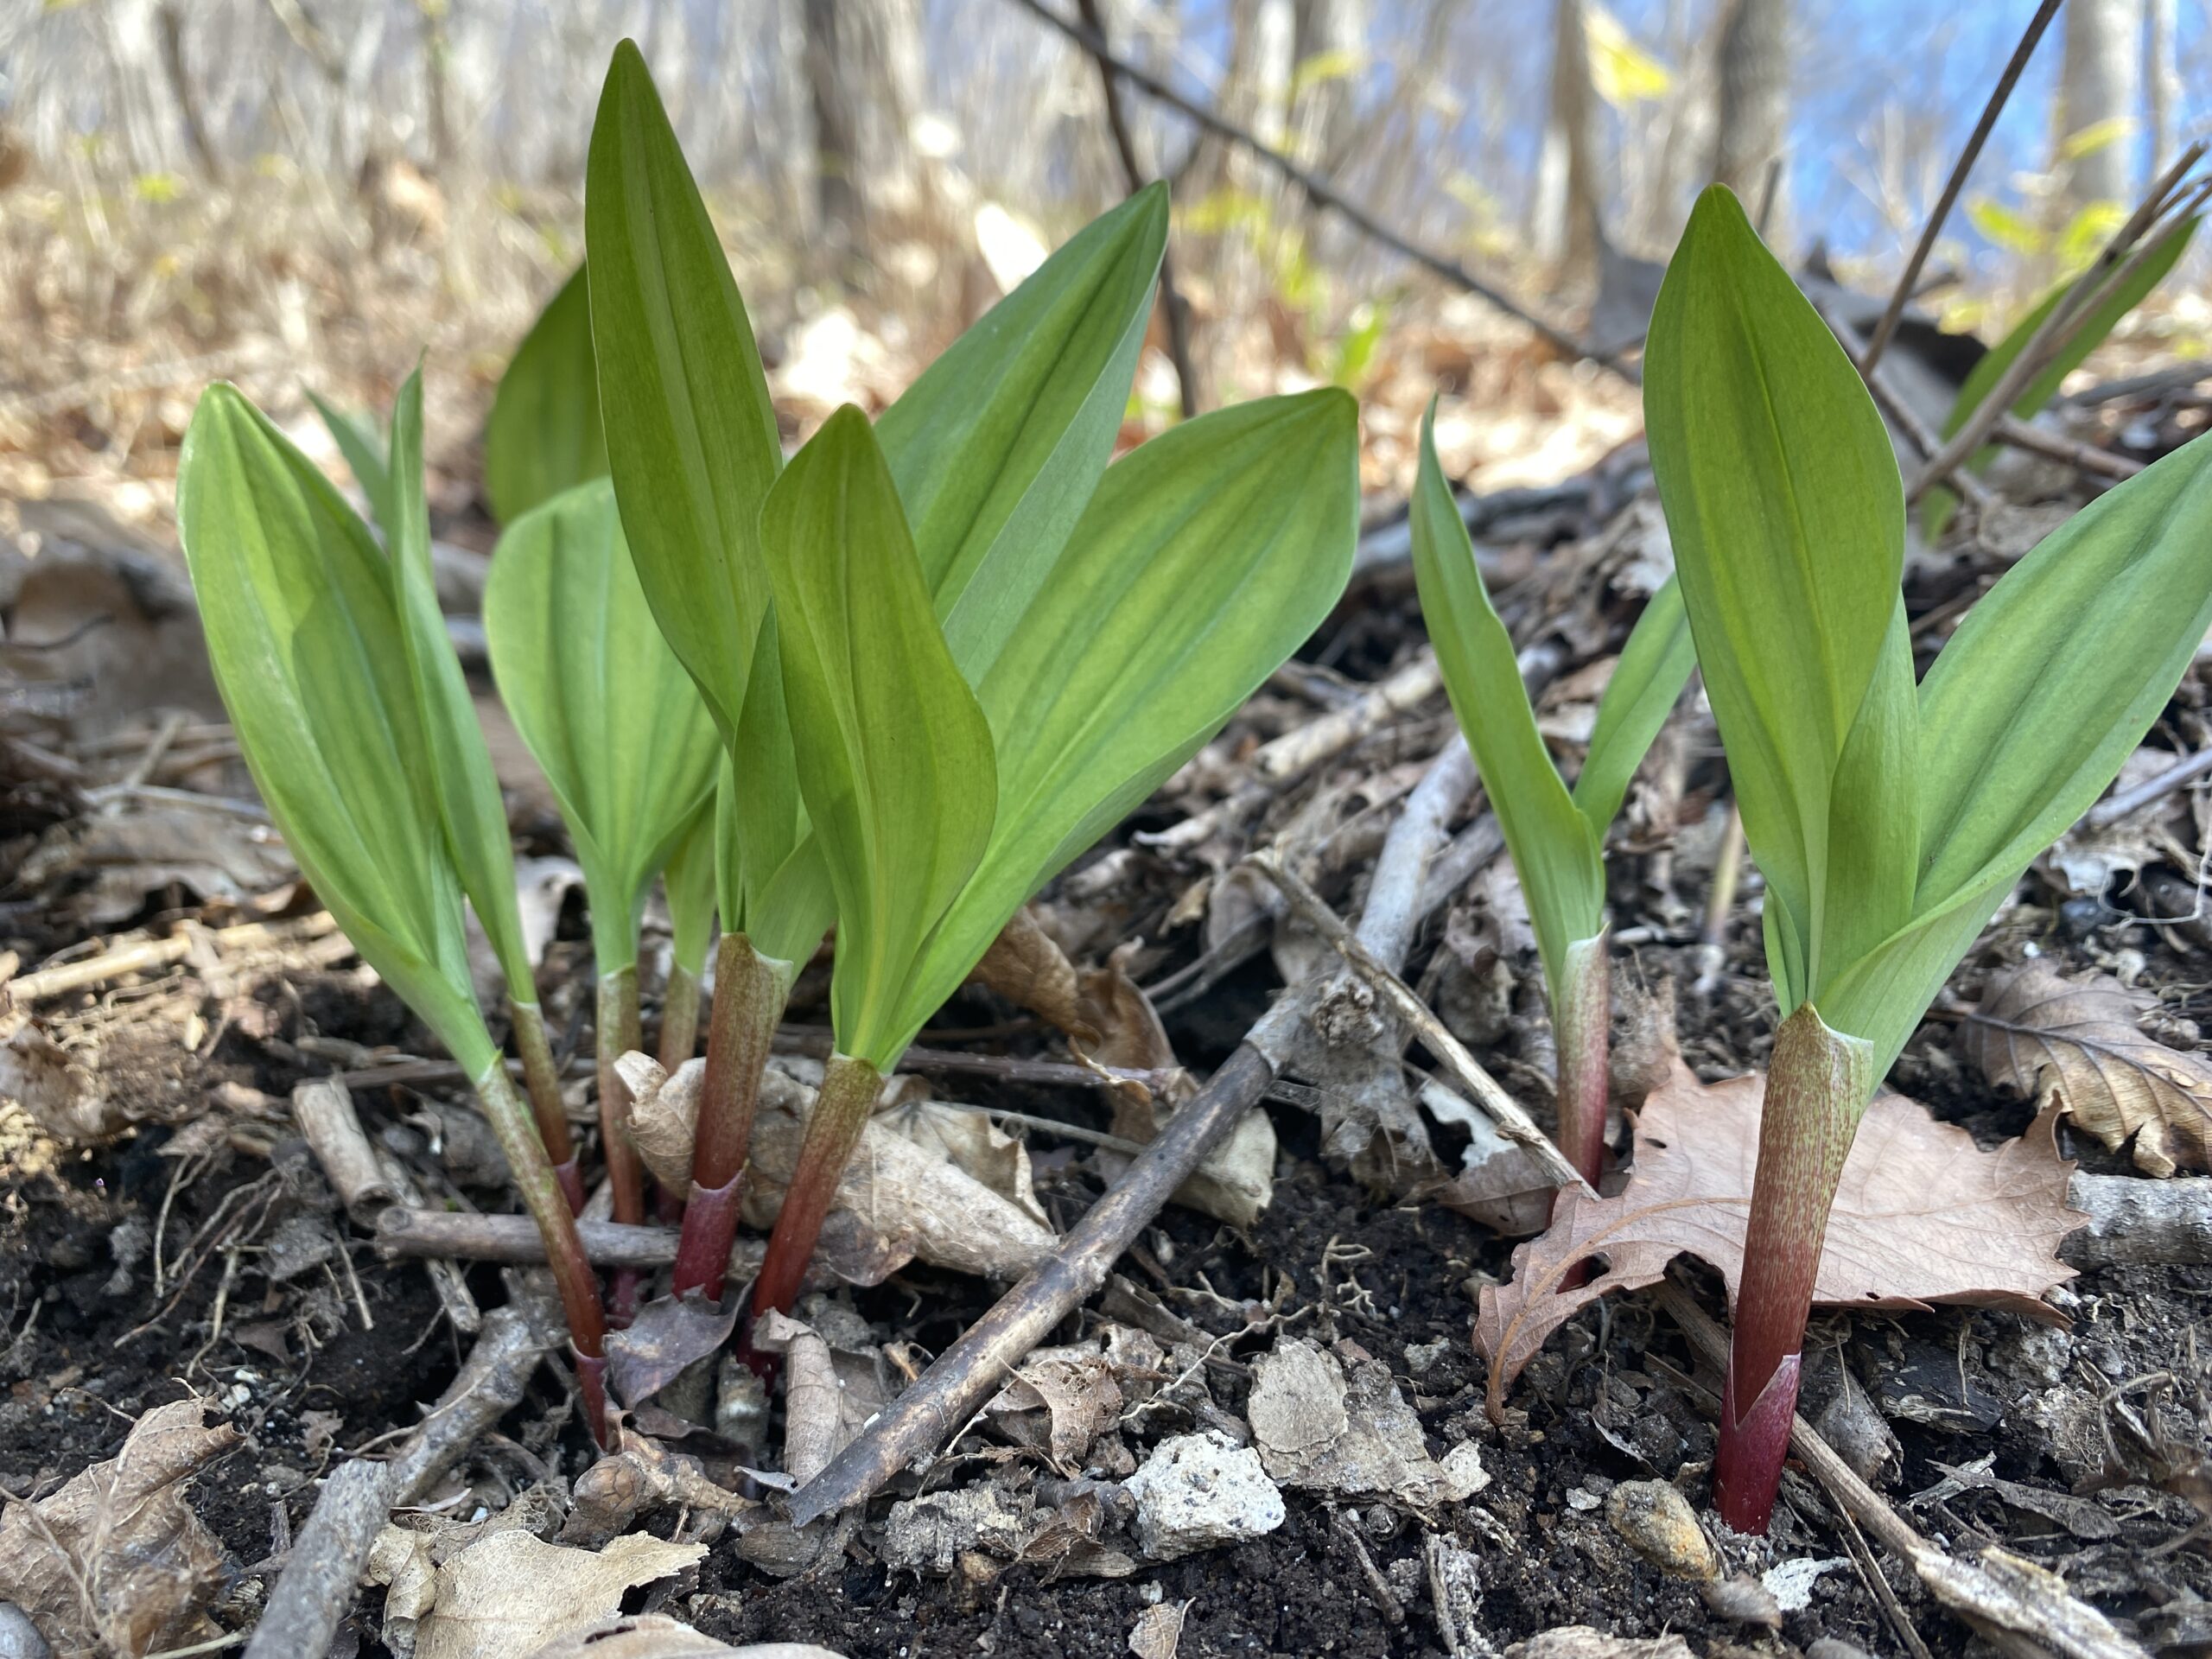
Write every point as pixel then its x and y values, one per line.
pixel 1922 1216
pixel 2075 1045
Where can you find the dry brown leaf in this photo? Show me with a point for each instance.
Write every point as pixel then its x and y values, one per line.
pixel 2074 1044
pixel 1024 966
pixel 1922 1216
pixel 1059 1402
pixel 1319 1431
pixel 1158 1631
pixel 117 1561
pixel 508 1595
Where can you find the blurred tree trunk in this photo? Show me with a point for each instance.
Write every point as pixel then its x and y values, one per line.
pixel 1751 131
pixel 170 21
pixel 2161 86
pixel 1565 228
pixel 1329 45
pixel 436 91
pixel 2096 90
pixel 864 86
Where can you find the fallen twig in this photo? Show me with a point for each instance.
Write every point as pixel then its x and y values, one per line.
pixel 1500 1107
pixel 406 1230
pixel 1321 193
pixel 146 955
pixel 324 1567
pixel 2110 811
pixel 2135 1221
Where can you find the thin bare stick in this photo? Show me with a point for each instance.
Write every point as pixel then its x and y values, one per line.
pixel 2110 811
pixel 405 1230
pixel 1982 128
pixel 2122 256
pixel 1501 1108
pixel 955 1388
pixel 323 1568
pixel 1321 193
pixel 1178 308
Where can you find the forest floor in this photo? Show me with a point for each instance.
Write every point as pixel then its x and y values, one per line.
pixel 166 1233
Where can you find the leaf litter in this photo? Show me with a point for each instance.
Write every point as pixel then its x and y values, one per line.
pixel 1922 1217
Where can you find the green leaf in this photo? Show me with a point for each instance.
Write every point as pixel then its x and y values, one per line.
pixel 689 883
pixel 460 764
pixel 543 434
pixel 600 700
pixel 1207 556
pixel 1558 854
pixel 365 455
pixel 999 445
pixel 691 437
pixel 894 757
pixel 297 602
pixel 1654 666
pixel 1788 519
pixel 2106 314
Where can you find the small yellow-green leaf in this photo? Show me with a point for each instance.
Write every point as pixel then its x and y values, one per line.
pixel 543 434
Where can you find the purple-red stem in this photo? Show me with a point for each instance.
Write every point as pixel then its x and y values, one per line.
pixel 540 1187
pixel 1582 1012
pixel 847 1095
pixel 542 1080
pixel 618 1033
pixel 1818 1083
pixel 749 993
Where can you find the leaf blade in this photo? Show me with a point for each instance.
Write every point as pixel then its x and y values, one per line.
pixel 543 433
pixel 1655 665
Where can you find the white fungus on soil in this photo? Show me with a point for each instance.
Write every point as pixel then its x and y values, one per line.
pixel 1196 1491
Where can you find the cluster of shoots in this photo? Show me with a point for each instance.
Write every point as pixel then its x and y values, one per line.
pixel 892 687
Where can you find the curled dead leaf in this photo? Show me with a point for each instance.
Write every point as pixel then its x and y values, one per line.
pixel 2074 1044
pixel 116 1562
pixel 1027 968
pixel 507 1595
pixel 1922 1216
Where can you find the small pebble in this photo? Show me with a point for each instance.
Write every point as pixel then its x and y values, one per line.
pixel 19 1637
pixel 1657 1523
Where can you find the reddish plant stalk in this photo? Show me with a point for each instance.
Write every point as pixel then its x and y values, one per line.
pixel 749 993
pixel 542 1196
pixel 1818 1083
pixel 1582 1010
pixel 679 1017
pixel 618 1033
pixel 542 1081
pixel 847 1095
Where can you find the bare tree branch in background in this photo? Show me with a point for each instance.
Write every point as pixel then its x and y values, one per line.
pixel 170 23
pixel 1752 132
pixel 2162 88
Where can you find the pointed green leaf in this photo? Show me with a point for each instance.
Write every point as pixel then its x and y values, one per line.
pixel 600 700
pixel 1207 556
pixel 691 437
pixel 1000 443
pixel 2106 314
pixel 1788 519
pixel 297 601
pixel 460 763
pixel 1557 853
pixel 1654 667
pixel 365 455
pixel 893 753
pixel 543 436
pixel 688 884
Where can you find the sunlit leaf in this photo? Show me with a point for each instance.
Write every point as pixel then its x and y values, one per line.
pixel 543 434
pixel 460 763
pixel 600 700
pixel 893 753
pixel 304 638
pixel 1782 498
pixel 1622 72
pixel 2005 227
pixel 2098 135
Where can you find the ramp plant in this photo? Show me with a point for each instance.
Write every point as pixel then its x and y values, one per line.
pixel 1556 837
pixel 307 634
pixel 1890 820
pixel 689 885
pixel 543 434
pixel 995 451
pixel 950 771
pixel 616 725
